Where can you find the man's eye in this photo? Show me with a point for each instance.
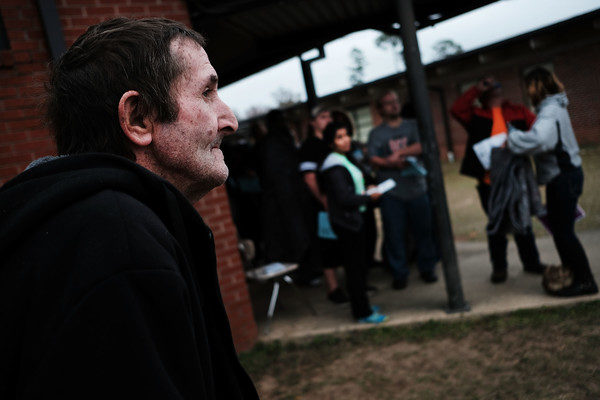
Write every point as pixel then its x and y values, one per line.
pixel 207 92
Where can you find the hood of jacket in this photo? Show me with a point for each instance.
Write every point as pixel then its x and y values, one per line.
pixel 332 160
pixel 52 184
pixel 558 99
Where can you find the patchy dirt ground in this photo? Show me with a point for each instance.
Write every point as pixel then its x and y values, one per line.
pixel 539 354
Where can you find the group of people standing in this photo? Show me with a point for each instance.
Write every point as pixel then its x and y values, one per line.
pixel 318 208
pixel 550 139
pixel 328 217
pixel 109 276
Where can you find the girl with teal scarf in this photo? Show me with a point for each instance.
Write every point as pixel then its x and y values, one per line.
pixel 344 184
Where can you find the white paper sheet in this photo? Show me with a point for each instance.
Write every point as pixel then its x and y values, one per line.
pixel 383 187
pixel 483 149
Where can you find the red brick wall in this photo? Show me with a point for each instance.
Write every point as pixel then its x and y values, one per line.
pixel 215 210
pixel 76 15
pixel 23 138
pixel 578 71
pixel 22 72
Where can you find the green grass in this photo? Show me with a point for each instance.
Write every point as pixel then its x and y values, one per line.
pixel 468 219
pixel 548 353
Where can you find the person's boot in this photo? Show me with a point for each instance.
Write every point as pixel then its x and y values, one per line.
pixel 429 277
pixel 399 284
pixel 499 275
pixel 577 288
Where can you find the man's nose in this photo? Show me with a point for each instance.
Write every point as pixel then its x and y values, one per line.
pixel 228 123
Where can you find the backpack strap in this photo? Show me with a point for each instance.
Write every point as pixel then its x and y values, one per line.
pixel 562 157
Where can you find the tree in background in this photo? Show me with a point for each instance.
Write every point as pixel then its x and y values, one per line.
pixel 257 111
pixel 446 48
pixel 393 43
pixel 285 97
pixel 357 70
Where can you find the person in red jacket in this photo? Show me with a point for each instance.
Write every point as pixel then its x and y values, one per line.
pixel 480 123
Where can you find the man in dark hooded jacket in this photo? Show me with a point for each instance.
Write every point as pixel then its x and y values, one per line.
pixel 108 284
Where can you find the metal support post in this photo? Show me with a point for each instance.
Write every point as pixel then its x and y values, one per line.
pixel 309 84
pixel 447 131
pixel 420 97
pixel 52 27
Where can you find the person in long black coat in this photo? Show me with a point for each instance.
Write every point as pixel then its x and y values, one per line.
pixel 285 235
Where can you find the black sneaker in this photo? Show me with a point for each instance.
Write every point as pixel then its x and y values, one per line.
pixel 576 289
pixel 371 288
pixel 536 269
pixel 499 276
pixel 337 296
pixel 429 277
pixel 399 284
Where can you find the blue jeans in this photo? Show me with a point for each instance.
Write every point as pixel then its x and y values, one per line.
pixel 397 214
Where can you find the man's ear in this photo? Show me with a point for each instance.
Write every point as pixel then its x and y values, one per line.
pixel 138 128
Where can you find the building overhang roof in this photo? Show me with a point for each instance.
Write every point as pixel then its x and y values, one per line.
pixel 247 36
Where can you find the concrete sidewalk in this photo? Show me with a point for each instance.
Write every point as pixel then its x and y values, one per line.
pixel 420 302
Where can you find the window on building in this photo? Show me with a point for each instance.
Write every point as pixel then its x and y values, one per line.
pixel 363 123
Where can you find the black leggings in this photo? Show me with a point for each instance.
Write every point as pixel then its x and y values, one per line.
pixel 561 197
pixel 352 247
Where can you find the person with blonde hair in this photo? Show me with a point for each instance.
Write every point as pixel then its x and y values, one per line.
pixel 552 142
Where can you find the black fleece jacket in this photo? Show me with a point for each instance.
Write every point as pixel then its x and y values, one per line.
pixel 108 288
pixel 342 201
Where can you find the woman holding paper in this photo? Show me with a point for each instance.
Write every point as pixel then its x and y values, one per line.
pixel 344 184
pixel 552 142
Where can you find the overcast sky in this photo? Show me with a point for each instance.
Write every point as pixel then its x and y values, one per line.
pixel 496 22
